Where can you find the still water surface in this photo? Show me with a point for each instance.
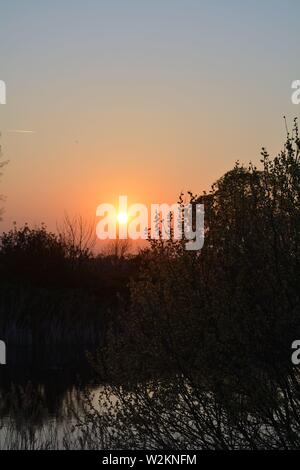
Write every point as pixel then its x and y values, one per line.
pixel 40 396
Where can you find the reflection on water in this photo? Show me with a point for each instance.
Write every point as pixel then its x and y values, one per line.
pixel 41 400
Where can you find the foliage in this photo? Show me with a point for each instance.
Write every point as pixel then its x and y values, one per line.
pixel 205 345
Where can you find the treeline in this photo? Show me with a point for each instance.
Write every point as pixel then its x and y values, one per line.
pixel 56 295
pixel 38 258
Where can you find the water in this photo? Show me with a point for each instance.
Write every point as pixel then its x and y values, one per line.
pixel 40 396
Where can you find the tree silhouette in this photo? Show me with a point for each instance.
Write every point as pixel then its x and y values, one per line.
pixel 206 342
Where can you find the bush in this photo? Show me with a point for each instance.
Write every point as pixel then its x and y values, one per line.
pixel 206 342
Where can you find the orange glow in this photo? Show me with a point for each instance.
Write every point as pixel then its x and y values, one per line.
pixel 122 218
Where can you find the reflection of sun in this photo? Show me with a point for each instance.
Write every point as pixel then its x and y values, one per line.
pixel 122 218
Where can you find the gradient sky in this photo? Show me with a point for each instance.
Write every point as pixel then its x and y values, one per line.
pixel 135 97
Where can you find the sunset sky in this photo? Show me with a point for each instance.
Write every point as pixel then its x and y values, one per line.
pixel 135 97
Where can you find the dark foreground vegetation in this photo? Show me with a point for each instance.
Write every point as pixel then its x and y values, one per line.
pixel 195 348
pixel 54 292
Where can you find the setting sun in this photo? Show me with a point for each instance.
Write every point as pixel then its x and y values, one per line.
pixel 122 218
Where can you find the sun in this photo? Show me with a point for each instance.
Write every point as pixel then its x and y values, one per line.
pixel 122 218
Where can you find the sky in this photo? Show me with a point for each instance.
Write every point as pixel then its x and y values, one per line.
pixel 138 98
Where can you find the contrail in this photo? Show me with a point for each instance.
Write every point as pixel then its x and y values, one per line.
pixel 20 131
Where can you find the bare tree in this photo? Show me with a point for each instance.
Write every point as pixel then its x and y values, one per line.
pixel 118 247
pixel 78 234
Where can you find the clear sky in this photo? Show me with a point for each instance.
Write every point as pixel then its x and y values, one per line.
pixel 136 97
